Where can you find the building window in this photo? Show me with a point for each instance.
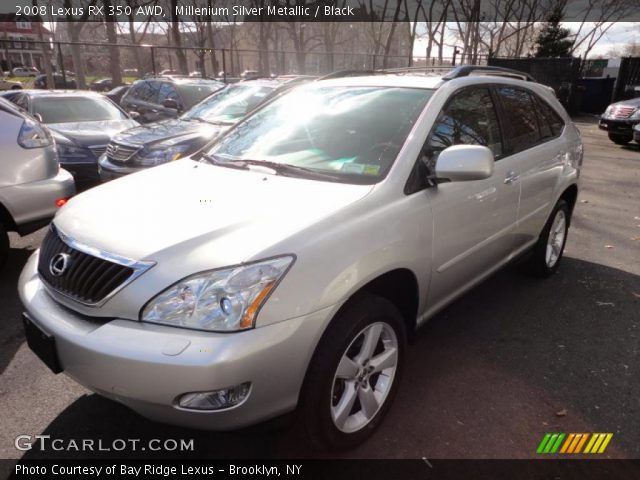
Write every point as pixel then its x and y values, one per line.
pixel 23 25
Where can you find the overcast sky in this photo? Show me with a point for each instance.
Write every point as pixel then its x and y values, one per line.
pixel 619 35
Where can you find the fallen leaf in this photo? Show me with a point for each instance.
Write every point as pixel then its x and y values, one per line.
pixel 584 201
pixel 635 239
pixel 561 413
pixel 609 247
pixel 605 304
pixel 636 294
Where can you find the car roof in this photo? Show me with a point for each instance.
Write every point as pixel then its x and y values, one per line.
pixel 388 80
pixel 61 93
pixel 180 80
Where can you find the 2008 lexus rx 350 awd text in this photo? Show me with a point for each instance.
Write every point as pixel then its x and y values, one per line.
pixel 286 264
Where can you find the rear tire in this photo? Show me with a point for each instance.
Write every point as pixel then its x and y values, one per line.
pixel 354 374
pixel 620 139
pixel 4 245
pixel 548 251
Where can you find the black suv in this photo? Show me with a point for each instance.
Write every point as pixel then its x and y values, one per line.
pixel 154 99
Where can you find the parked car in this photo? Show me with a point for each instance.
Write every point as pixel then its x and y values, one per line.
pixel 25 71
pixel 195 74
pixel 6 84
pixel 116 94
pixel 32 185
pixel 250 75
pixel 156 99
pixel 160 142
pixel 131 72
pixel 59 82
pixel 82 124
pixel 168 71
pixel 636 132
pixel 287 263
pixel 619 119
pixel 101 85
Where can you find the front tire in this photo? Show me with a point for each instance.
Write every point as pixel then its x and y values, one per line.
pixel 549 249
pixel 354 373
pixel 620 139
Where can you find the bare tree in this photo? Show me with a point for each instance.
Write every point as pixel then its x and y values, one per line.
pixel 43 48
pixel 74 28
pixel 114 51
pixel 175 37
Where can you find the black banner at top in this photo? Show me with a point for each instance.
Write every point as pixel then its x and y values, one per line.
pixel 230 11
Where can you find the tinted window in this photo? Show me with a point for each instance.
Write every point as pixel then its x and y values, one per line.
pixel 351 133
pixel 146 91
pixel 550 118
pixel 194 93
pixel 61 109
pixel 167 92
pixel 522 124
pixel 469 118
pixel 231 103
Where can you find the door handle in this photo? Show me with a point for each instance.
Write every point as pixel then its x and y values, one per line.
pixel 511 177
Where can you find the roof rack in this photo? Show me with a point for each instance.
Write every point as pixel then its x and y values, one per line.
pixel 466 70
pixel 414 69
pixel 348 73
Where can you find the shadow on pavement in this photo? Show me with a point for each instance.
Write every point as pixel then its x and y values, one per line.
pixel 11 334
pixel 513 359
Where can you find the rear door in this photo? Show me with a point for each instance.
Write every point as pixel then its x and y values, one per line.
pixel 474 221
pixel 538 151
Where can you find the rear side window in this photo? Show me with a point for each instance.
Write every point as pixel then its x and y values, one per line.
pixel 167 92
pixel 469 118
pixel 520 114
pixel 551 123
pixel 146 91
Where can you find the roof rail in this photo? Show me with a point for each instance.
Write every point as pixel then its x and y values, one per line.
pixel 425 68
pixel 348 73
pixel 466 70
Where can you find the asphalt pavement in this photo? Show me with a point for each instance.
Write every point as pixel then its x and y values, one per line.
pixel 513 359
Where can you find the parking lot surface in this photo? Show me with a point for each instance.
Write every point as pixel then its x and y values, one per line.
pixel 513 359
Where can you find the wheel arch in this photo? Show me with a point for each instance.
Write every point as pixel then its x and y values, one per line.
pixel 570 195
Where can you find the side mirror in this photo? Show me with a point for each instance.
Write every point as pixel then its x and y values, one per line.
pixel 134 115
pixel 462 163
pixel 170 103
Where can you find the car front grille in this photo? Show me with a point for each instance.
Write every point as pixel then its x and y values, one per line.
pixel 76 274
pixel 622 112
pixel 121 152
pixel 98 150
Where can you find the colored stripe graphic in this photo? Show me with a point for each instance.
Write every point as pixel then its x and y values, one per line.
pixel 573 443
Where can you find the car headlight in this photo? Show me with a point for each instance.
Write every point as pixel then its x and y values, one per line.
pixel 159 154
pixel 69 153
pixel 636 115
pixel 33 135
pixel 224 300
pixel 607 112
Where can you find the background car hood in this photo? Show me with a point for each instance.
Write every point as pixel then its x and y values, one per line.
pixel 92 133
pixel 167 130
pixel 188 210
pixel 633 102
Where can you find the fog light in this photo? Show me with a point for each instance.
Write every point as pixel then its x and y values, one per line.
pixel 216 400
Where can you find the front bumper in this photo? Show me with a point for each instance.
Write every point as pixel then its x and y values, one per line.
pixel 147 367
pixel 636 134
pixel 84 174
pixel 618 127
pixel 108 171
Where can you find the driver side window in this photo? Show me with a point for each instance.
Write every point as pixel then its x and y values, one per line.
pixel 469 118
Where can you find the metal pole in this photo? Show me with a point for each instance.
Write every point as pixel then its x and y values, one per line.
pixel 153 61
pixel 224 66
pixel 61 61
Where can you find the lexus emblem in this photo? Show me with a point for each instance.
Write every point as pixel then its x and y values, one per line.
pixel 59 264
pixel 115 149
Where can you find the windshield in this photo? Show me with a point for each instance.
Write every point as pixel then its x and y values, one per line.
pixel 230 104
pixel 344 133
pixel 194 93
pixel 60 109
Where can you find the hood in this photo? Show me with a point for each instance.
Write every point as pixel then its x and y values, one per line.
pixel 632 102
pixel 168 130
pixel 180 208
pixel 91 133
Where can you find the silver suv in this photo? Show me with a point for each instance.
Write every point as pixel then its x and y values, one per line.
pixel 289 262
pixel 32 185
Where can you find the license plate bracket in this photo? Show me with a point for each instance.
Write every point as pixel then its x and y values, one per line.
pixel 42 344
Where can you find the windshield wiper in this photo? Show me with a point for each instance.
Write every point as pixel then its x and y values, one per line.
pixel 213 122
pixel 283 169
pixel 289 170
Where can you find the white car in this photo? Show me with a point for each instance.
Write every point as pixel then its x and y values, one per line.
pixel 25 72
pixel 6 84
pixel 287 264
